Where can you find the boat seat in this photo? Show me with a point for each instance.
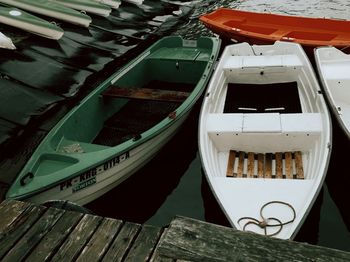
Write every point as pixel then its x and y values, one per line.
pixel 262 132
pixel 241 62
pixel 280 165
pixel 146 93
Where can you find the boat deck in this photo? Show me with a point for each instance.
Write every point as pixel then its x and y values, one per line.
pixel 146 107
pixel 270 165
pixel 37 233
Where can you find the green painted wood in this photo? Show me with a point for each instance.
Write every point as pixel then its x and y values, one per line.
pixel 122 242
pixel 34 235
pixel 195 240
pixel 101 240
pixel 53 240
pixel 144 245
pixel 77 240
pixel 17 226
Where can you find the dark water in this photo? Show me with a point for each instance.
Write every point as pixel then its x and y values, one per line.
pixel 42 79
pixel 173 183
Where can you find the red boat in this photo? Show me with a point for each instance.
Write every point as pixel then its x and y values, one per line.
pixel 266 28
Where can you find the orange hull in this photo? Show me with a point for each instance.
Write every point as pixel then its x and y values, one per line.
pixel 264 28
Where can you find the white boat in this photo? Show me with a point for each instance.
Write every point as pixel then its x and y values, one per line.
pixel 33 24
pixel 265 137
pixel 333 68
pixel 51 9
pixel 6 42
pixel 136 2
pixel 112 3
pixel 89 6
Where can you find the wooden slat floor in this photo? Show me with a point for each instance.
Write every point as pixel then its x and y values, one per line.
pixel 36 233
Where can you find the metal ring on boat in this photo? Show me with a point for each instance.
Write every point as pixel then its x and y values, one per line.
pixel 24 181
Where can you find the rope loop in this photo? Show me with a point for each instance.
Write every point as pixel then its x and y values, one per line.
pixel 264 223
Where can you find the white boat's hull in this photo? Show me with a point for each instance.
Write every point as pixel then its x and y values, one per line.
pixel 33 28
pixel 89 9
pixel 6 42
pixel 93 184
pixel 112 3
pixel 260 134
pixel 136 2
pixel 333 67
pixel 47 12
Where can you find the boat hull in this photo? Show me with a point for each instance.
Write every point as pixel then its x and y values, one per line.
pixel 333 66
pixel 92 184
pixel 48 8
pixel 30 23
pixel 266 28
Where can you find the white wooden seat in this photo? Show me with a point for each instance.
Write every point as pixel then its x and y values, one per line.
pixel 264 132
pixel 255 61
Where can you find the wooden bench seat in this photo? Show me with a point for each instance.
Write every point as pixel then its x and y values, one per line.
pixel 146 93
pixel 270 165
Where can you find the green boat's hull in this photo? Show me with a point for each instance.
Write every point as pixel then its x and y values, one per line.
pixel 79 161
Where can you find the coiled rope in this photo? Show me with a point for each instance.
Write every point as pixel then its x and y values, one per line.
pixel 264 223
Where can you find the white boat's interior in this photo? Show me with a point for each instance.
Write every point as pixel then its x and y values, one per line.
pixel 334 67
pixel 263 109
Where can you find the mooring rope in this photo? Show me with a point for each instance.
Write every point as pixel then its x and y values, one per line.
pixel 264 223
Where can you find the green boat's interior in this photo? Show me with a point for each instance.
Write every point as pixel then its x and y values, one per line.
pixel 101 121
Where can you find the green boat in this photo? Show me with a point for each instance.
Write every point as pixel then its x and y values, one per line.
pixel 30 23
pixel 89 6
pixel 51 9
pixel 121 125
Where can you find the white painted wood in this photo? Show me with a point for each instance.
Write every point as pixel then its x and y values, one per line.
pixel 333 68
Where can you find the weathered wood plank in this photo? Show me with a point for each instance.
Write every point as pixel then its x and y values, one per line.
pixel 122 242
pixel 299 165
pixel 231 163
pixel 100 241
pixel 268 165
pixel 143 247
pixel 195 240
pixel 261 165
pixel 78 238
pixel 25 245
pixel 289 165
pixel 251 164
pixel 17 227
pixel 10 210
pixel 158 258
pixel 240 164
pixel 147 93
pixel 279 165
pixel 53 240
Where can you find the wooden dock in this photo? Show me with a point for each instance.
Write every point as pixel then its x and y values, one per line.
pixel 37 233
